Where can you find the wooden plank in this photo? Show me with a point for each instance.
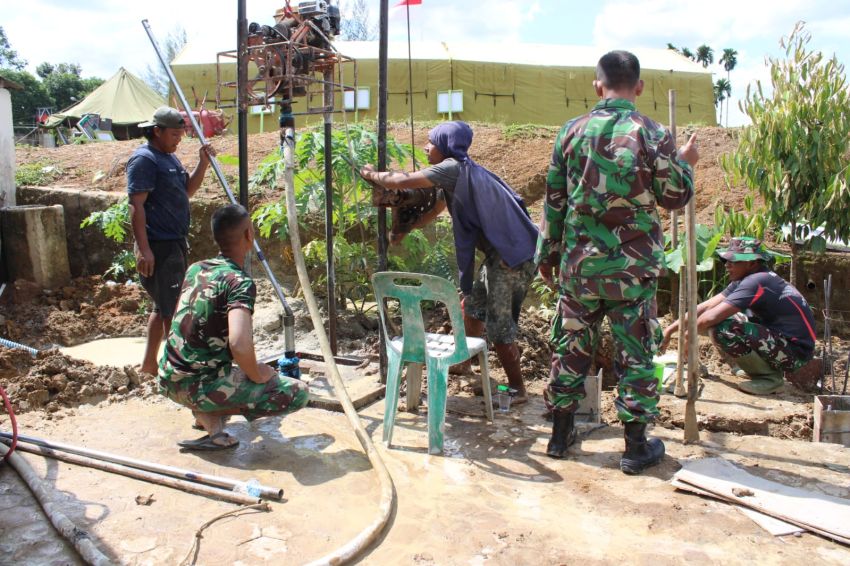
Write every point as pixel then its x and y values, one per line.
pixel 772 525
pixel 824 514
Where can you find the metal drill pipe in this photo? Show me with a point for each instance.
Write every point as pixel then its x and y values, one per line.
pixel 143 475
pixel 289 317
pixel 217 481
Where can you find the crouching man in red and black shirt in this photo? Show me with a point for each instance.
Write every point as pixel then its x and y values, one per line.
pixel 776 333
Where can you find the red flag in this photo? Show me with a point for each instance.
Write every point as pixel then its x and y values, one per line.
pixel 408 3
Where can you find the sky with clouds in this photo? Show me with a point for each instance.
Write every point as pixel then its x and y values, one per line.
pixel 102 35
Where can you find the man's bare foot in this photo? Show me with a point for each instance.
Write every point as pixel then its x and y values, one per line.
pixel 199 426
pixel 152 370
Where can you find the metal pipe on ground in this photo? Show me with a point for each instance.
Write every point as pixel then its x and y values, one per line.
pixel 79 538
pixel 180 473
pixel 135 473
pixel 289 317
pixel 370 534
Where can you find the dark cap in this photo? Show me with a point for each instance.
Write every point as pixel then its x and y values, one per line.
pixel 745 248
pixel 165 117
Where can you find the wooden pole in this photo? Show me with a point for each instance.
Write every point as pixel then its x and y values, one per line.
pixel 678 291
pixel 691 428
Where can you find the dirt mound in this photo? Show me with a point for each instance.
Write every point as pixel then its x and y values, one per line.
pixel 52 380
pixel 86 308
pixel 519 154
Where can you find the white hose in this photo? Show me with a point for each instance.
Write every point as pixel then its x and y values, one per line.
pixel 367 536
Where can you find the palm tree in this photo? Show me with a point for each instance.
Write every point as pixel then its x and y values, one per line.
pixel 729 60
pixel 705 55
pixel 687 53
pixel 722 91
pixel 672 47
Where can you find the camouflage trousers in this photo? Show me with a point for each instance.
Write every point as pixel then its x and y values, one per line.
pixel 235 394
pixel 630 307
pixel 497 296
pixel 738 338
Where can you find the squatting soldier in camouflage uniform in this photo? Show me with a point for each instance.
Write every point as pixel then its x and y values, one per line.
pixel 601 235
pixel 760 320
pixel 211 330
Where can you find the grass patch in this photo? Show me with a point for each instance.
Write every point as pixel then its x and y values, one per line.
pixel 528 131
pixel 36 174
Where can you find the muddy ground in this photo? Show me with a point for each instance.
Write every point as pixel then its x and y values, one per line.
pixel 493 497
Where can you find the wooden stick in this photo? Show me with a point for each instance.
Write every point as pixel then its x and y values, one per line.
pixel 680 289
pixel 691 428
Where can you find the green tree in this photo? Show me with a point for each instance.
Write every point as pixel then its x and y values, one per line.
pixel 722 90
pixel 26 101
pixel 704 55
pixel 795 153
pixel 9 57
pixel 672 47
pixel 64 83
pixel 729 60
pixel 687 53
pixel 155 76
pixel 356 25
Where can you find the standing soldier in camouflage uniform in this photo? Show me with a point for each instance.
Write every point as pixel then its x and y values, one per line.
pixel 601 236
pixel 776 335
pixel 212 329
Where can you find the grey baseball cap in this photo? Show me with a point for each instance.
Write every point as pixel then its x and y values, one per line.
pixel 165 117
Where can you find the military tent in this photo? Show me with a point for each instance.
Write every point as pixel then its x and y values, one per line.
pixel 502 83
pixel 125 99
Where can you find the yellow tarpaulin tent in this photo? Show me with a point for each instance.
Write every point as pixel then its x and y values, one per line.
pixel 510 84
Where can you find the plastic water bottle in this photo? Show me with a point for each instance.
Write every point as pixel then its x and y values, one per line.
pixel 250 487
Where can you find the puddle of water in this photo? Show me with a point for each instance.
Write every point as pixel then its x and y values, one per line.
pixel 111 351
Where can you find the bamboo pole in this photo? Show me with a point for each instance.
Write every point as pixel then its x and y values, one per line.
pixel 681 299
pixel 180 473
pixel 79 538
pixel 135 473
pixel 691 428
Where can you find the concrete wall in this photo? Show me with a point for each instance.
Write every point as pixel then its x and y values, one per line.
pixel 7 151
pixel 91 253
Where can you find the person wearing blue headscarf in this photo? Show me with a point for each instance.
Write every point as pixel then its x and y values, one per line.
pixel 489 216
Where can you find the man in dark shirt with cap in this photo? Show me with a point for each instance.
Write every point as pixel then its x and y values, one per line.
pixel 760 320
pixel 159 189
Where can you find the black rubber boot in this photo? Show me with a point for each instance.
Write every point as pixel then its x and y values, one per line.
pixel 563 434
pixel 641 453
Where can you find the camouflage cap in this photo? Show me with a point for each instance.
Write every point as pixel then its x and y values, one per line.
pixel 165 117
pixel 745 248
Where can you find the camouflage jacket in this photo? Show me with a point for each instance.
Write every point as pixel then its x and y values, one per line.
pixel 197 346
pixel 609 170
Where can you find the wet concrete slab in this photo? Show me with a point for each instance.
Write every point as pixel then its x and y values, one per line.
pixel 492 497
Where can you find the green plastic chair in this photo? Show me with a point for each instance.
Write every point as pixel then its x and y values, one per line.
pixel 416 348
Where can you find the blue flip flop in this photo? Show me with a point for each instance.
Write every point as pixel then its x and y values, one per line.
pixel 207 442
